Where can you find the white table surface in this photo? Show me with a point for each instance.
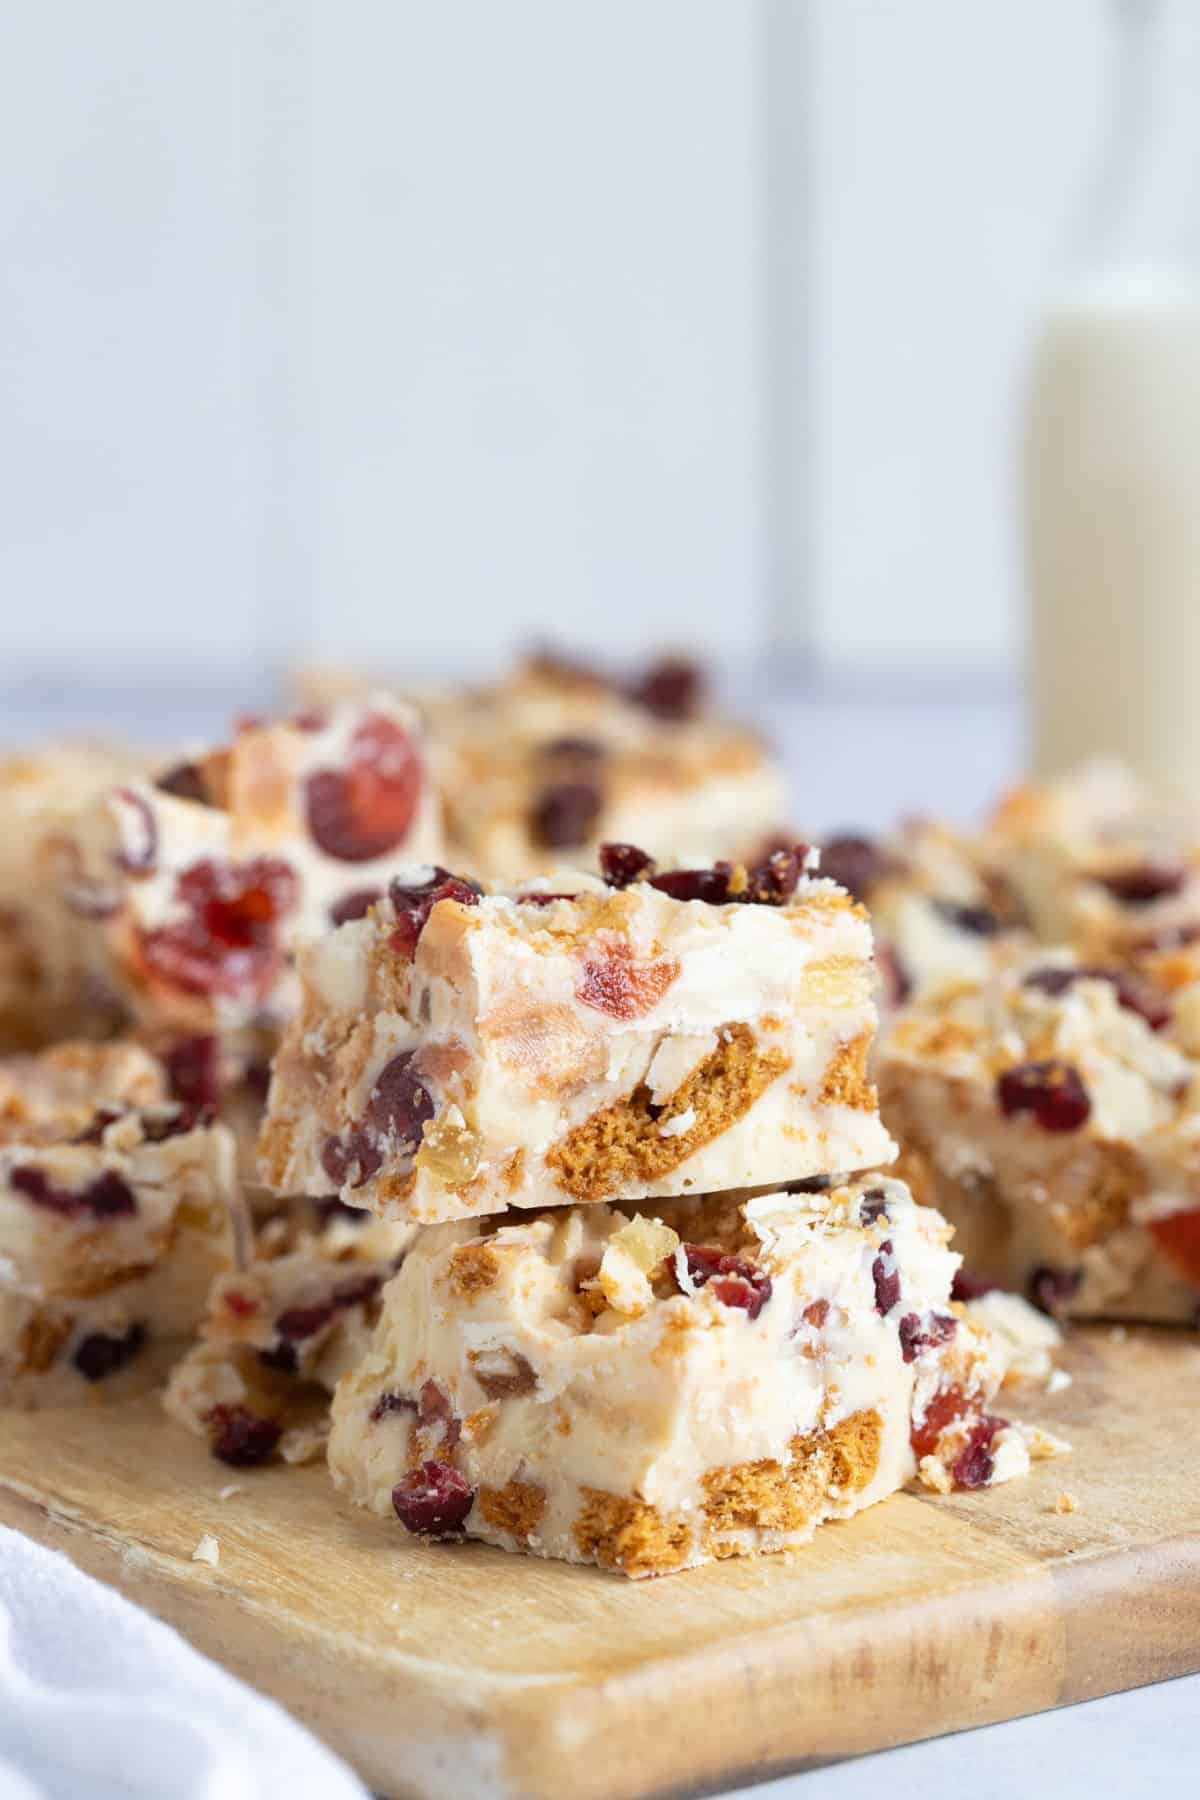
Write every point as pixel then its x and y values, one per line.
pixel 858 755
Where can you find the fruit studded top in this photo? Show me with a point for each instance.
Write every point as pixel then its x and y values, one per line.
pixel 190 892
pixel 581 1038
pixel 1100 862
pixel 648 1392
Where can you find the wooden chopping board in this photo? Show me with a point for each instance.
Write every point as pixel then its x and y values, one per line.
pixel 439 1670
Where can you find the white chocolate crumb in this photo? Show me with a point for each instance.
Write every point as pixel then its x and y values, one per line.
pixel 1066 1502
pixel 935 1475
pixel 1043 1444
pixel 679 1124
pixel 1010 1452
pixel 208 1550
pixel 227 1493
pixel 1059 1381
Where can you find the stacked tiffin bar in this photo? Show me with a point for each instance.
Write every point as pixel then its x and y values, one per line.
pixel 656 1312
pixel 568 1225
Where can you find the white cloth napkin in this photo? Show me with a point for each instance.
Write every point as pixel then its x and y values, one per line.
pixel 98 1701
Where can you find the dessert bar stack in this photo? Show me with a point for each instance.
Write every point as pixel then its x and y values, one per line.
pixel 654 1312
pixel 558 757
pixel 117 1208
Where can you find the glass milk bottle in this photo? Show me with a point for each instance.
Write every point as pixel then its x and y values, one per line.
pixel 1112 448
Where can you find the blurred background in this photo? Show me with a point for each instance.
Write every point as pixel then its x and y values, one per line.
pixel 396 333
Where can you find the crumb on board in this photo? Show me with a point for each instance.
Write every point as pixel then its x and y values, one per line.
pixel 1066 1502
pixel 1118 1335
pixel 1059 1381
pixel 227 1493
pixel 208 1550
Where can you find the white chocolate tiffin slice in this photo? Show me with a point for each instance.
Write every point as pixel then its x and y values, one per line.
pixel 457 1053
pixel 189 893
pixel 1047 1113
pixel 653 1392
pixel 280 1331
pixel 117 1209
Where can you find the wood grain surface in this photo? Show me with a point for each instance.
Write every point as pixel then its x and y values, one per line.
pixel 441 1670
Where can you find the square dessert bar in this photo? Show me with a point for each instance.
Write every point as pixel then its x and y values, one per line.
pixel 581 1040
pixel 1049 1116
pixel 939 911
pixel 117 1208
pixel 279 1331
pixel 190 892
pixel 1100 862
pixel 653 1393
pixel 42 794
pixel 557 758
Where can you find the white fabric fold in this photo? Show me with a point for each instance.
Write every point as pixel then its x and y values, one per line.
pixel 99 1701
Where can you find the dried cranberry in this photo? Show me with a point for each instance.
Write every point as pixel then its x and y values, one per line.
pixel 240 1437
pixel 354 905
pixel 886 1277
pixel 623 864
pixel 671 689
pixel 977 921
pixel 734 1281
pixel 1050 1288
pixel 169 1122
pixel 974 1464
pixel 541 899
pixel 855 863
pixel 186 782
pixel 391 1403
pixel 1134 995
pixel 709 885
pixel 400 1105
pixel 311 720
pixel 299 1322
pixel 579 749
pixel 435 1410
pixel 102 1118
pixel 917 1334
pixel 773 881
pixel 565 815
pixel 193 1066
pixel 364 810
pixel 897 982
pixel 1050 1092
pixel 872 1206
pixel 413 902
pixel 228 942
pixel 969 1286
pixel 106 1197
pixel 99 1354
pixel 351 1159
pixel 139 848
pixel 357 1293
pixel 282 1358
pixel 1144 883
pixel 433 1500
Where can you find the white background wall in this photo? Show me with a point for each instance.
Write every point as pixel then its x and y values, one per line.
pixel 391 330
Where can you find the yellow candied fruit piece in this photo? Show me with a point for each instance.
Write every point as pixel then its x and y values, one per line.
pixel 646 1242
pixel 449 1149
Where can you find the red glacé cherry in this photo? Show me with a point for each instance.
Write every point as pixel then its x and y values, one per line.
pixel 1051 1092
pixel 364 809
